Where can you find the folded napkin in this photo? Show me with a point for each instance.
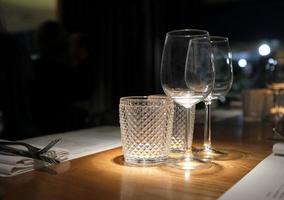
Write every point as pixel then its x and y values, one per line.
pixel 11 165
pixel 278 148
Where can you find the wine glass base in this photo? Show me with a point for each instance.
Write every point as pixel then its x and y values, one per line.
pixel 189 163
pixel 207 154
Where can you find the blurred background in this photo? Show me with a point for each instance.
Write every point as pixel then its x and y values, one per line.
pixel 65 64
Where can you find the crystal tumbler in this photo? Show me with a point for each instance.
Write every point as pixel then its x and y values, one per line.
pixel 178 139
pixel 146 127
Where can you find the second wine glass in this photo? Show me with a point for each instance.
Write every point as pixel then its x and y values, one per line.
pixel 222 60
pixel 187 76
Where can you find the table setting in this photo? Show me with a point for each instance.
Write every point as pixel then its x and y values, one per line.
pixel 20 157
pixel 156 139
pixel 195 67
pixel 62 148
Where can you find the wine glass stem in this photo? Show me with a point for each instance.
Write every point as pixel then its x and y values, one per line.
pixel 207 127
pixel 189 132
pixel 276 97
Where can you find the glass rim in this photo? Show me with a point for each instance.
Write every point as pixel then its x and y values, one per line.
pixel 143 98
pixel 215 39
pixel 188 33
pixel 135 99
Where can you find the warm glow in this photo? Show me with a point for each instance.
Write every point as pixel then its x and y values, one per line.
pixel 277 110
pixel 187 175
pixel 22 15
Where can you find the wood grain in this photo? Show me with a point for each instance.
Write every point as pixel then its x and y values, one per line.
pixel 106 176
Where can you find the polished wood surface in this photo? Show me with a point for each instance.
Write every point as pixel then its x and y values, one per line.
pixel 106 176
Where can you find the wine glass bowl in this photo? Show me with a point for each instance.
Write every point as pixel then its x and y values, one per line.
pixel 275 82
pixel 182 76
pixel 222 60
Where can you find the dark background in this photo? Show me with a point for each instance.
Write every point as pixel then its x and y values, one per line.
pixel 126 41
pixel 129 35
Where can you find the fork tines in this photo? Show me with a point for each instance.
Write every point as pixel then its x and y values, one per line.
pixel 48 159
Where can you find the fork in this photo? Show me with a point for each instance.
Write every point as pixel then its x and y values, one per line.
pixel 10 150
pixel 279 133
pixel 32 149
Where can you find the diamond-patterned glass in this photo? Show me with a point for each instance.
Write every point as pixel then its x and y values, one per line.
pixel 146 127
pixel 178 140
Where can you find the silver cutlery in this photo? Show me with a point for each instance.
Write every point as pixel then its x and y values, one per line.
pixel 278 133
pixel 13 151
pixel 32 148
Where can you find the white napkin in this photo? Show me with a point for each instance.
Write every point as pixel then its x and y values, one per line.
pixel 278 148
pixel 13 165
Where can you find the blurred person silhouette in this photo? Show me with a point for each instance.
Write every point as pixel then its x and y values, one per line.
pixel 86 79
pixel 258 74
pixel 16 78
pixel 82 67
pixel 53 82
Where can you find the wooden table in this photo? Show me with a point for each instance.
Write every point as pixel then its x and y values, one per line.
pixel 105 176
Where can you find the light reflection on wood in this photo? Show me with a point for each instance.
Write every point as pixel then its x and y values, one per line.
pixel 106 176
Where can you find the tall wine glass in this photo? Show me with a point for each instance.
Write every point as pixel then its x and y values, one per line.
pixel 275 82
pixel 187 76
pixel 222 60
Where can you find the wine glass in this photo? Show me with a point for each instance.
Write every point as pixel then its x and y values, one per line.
pixel 222 60
pixel 187 76
pixel 275 82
